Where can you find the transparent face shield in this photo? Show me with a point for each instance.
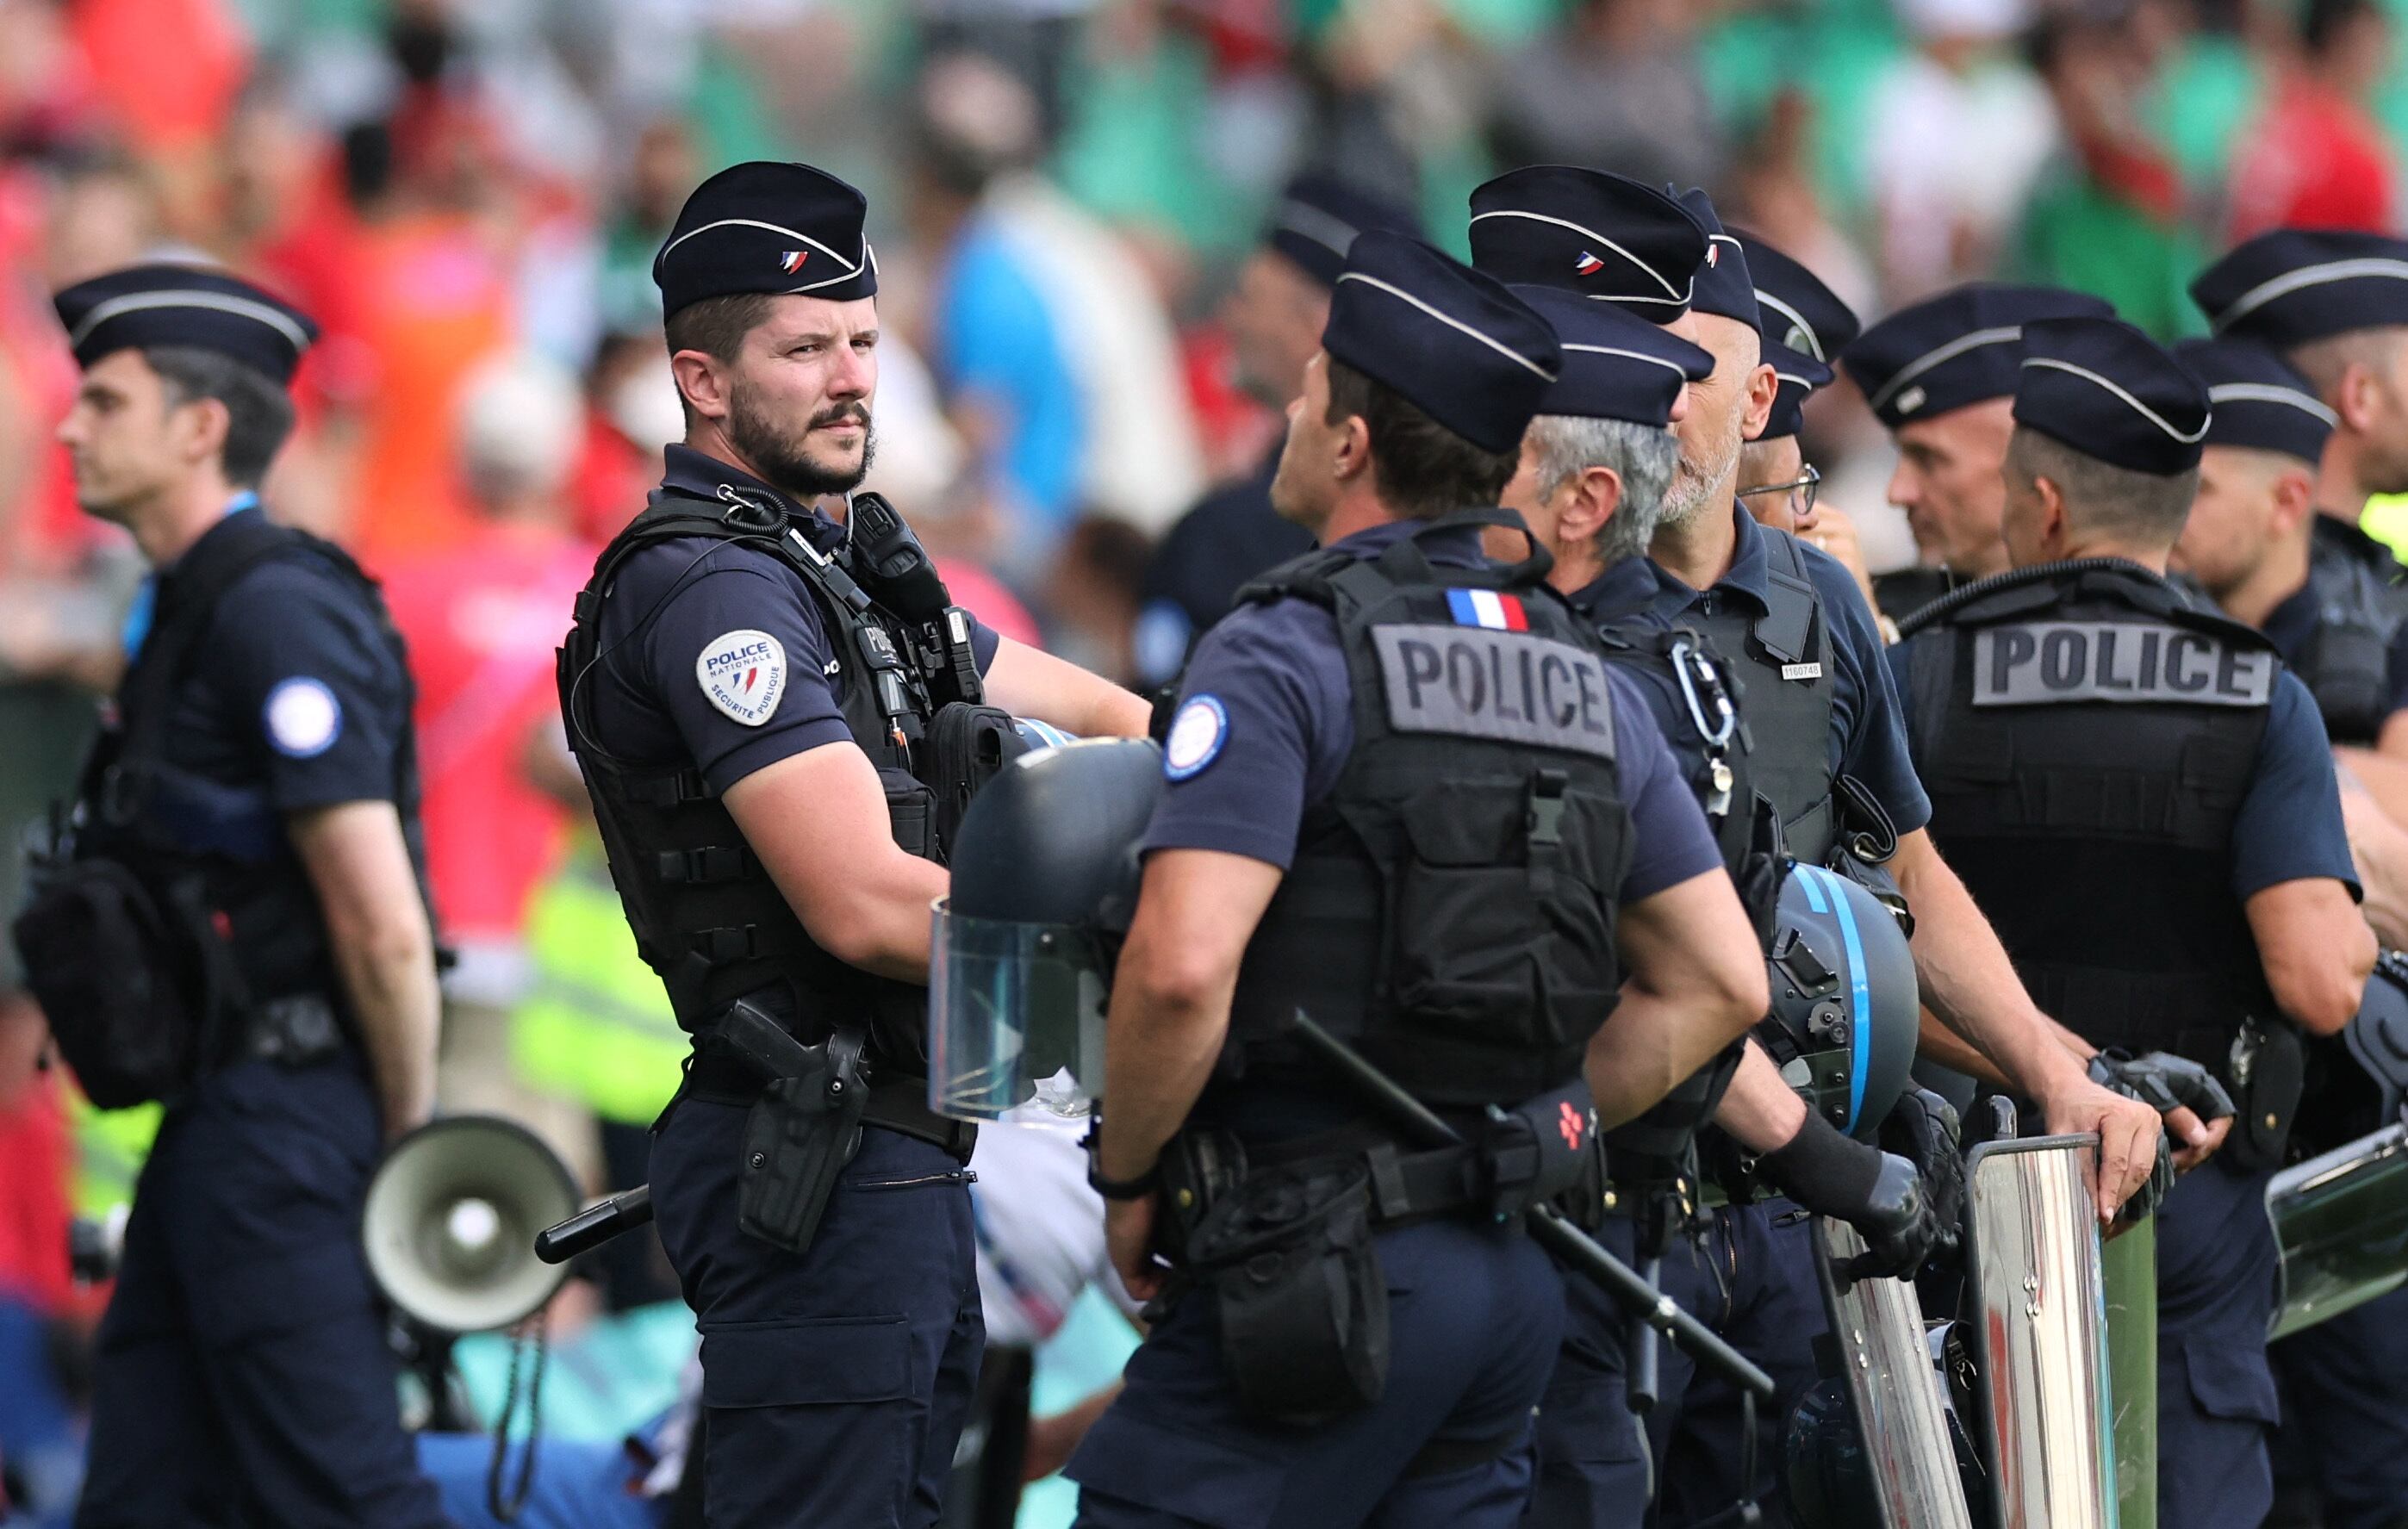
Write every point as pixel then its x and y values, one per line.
pixel 1015 1017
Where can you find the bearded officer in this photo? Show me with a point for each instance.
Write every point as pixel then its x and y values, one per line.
pixel 1940 374
pixel 1345 729
pixel 769 706
pixel 260 786
pixel 2081 725
pixel 1274 317
pixel 2250 540
pixel 1819 705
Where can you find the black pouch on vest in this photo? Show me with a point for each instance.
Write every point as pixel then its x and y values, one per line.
pixel 966 747
pixel 2268 1071
pixel 127 995
pixel 1538 1150
pixel 1295 1279
pixel 801 1132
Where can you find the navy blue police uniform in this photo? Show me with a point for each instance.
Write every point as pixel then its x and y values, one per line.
pixel 1233 534
pixel 724 631
pixel 1279 718
pixel 241 1373
pixel 2192 772
pixel 1949 351
pixel 2343 1383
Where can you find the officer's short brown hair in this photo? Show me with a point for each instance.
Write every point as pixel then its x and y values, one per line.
pixel 1421 468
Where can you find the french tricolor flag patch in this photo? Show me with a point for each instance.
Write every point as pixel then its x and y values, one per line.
pixel 1488 609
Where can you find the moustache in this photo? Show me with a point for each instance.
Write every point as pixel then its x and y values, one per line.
pixel 849 414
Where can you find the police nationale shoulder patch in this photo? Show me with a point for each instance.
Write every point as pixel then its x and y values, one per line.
pixel 303 717
pixel 1197 735
pixel 744 674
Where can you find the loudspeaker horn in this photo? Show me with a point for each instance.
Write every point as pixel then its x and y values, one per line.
pixel 451 1221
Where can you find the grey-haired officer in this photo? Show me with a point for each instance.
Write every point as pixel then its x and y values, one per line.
pixel 1391 710
pixel 2187 783
pixel 259 786
pixel 760 696
pixel 2249 539
pixel 1941 376
pixel 1274 317
pixel 1819 705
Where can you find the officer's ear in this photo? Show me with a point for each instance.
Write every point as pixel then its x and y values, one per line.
pixel 1596 494
pixel 2048 521
pixel 2358 398
pixel 198 427
pixel 2295 501
pixel 1350 441
pixel 1763 388
pixel 703 382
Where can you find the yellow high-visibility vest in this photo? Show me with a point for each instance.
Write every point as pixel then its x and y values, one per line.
pixel 110 1146
pixel 2385 518
pixel 596 1025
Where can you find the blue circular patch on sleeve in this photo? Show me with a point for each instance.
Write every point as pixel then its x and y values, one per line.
pixel 1197 735
pixel 304 719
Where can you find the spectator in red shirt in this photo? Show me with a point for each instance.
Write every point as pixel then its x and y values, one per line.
pixel 2318 158
pixel 482 617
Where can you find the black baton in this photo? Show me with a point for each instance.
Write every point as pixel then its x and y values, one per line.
pixel 594 1225
pixel 1637 1298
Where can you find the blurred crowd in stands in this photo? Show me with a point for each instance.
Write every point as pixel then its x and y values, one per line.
pixel 1066 196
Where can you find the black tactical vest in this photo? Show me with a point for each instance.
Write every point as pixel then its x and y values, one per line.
pixel 1788 681
pixel 172 825
pixel 2087 736
pixel 706 915
pixel 2346 664
pixel 1451 907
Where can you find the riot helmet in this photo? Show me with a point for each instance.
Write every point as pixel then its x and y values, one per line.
pixel 1044 880
pixel 1844 1002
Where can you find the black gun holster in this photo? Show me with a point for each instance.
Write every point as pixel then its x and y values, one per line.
pixel 2266 1072
pixel 798 1137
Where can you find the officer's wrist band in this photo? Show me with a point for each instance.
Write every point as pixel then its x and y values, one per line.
pixel 1821 1166
pixel 1122 1189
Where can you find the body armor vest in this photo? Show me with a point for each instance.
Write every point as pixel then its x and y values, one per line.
pixel 1788 681
pixel 2346 664
pixel 228 844
pixel 2087 737
pixel 706 915
pixel 1450 910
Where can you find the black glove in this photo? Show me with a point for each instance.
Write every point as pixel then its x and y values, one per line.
pixel 1922 1128
pixel 2163 1081
pixel 1879 1193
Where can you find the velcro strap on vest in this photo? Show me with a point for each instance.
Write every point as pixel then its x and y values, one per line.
pixel 725 944
pixel 713 863
pixel 1545 837
pixel 674 789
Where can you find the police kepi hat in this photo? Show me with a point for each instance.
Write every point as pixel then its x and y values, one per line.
pixel 1453 342
pixel 2259 401
pixel 766 226
pixel 1804 325
pixel 1959 347
pixel 1723 287
pixel 2110 392
pixel 1601 235
pixel 143 307
pixel 2294 285
pixel 1616 366
pixel 1318 217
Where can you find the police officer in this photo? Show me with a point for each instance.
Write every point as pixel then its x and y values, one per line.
pixel 2181 884
pixel 1819 706
pixel 1804 327
pixel 1941 376
pixel 2249 542
pixel 258 786
pixel 1363 720
pixel 1594 469
pixel 774 711
pixel 1274 318
pixel 2335 306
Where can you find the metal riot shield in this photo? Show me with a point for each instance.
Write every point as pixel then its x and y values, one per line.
pixel 2341 1221
pixel 1892 1388
pixel 2038 1296
pixel 2129 1262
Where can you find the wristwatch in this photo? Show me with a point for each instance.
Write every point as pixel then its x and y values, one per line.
pixel 1118 1189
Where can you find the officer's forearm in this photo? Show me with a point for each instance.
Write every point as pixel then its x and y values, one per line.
pixel 1758 1108
pixel 1970 985
pixel 2380 848
pixel 1695 981
pixel 359 864
pixel 1935 1042
pixel 1029 683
